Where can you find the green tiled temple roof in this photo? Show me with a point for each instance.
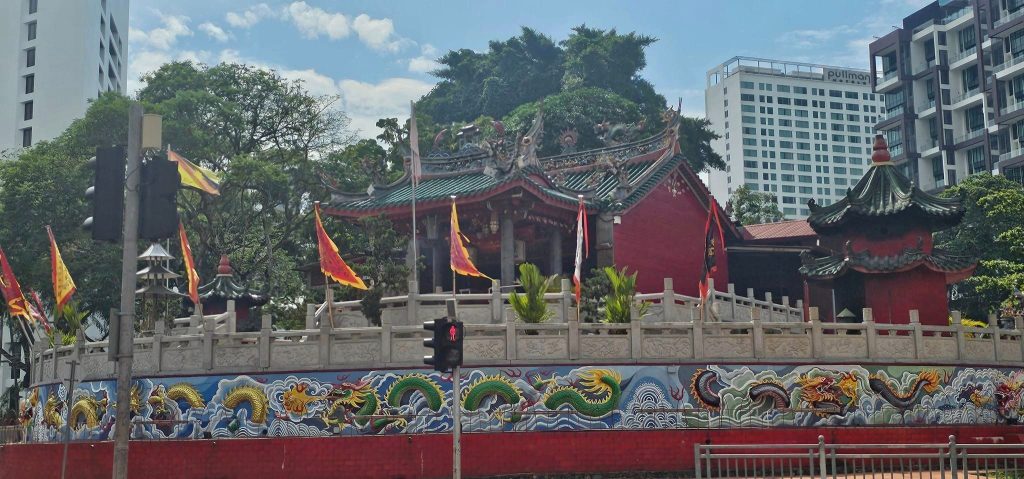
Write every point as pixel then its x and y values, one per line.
pixel 885 192
pixel 838 264
pixel 610 179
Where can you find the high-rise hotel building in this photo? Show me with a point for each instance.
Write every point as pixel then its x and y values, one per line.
pixel 799 131
pixel 953 83
pixel 55 56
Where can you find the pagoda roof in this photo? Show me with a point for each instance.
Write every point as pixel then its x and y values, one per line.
pixel 885 192
pixel 956 267
pixel 224 288
pixel 611 179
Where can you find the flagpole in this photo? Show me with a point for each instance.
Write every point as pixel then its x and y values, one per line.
pixel 329 299
pixel 579 319
pixel 413 161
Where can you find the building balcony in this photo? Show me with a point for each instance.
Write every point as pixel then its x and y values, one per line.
pixel 1012 107
pixel 927 144
pixel 896 150
pixel 923 67
pixel 1003 20
pixel 960 59
pixel 925 108
pixel 969 135
pixel 1009 67
pixel 890 114
pixel 957 15
pixel 888 80
pixel 961 99
pixel 1010 155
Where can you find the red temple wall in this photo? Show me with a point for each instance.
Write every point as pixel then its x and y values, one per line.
pixel 892 296
pixel 663 237
pixel 879 245
pixel 429 455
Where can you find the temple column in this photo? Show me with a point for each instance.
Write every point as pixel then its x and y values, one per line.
pixel 604 231
pixel 508 249
pixel 555 251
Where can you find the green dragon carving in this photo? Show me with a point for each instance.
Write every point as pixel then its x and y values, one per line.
pixel 358 403
pixel 603 384
pixel 494 385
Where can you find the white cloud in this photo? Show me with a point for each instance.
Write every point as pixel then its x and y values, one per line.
pixel 215 32
pixel 365 103
pixel 426 62
pixel 249 17
pixel 313 22
pixel 814 38
pixel 378 34
pixel 146 61
pixel 163 37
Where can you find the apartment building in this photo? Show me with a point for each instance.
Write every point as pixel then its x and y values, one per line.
pixel 952 79
pixel 799 131
pixel 55 56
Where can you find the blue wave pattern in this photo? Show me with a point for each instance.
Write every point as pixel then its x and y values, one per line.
pixel 524 399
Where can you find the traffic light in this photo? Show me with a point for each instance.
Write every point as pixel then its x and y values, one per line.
pixel 158 199
pixel 106 194
pixel 446 344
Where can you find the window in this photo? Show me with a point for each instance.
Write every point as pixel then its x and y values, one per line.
pixel 974 118
pixel 838 149
pixel 800 89
pixel 969 79
pixel 28 111
pixel 804 168
pixel 852 107
pixel 835 93
pixel 802 123
pixel 803 135
pixel 747 85
pixel 785 144
pixel 26 137
pixel 799 102
pixel 967 38
pixel 749 130
pixel 747 96
pixel 835 105
pixel 850 94
pixel 976 159
pixel 784 122
pixel 750 153
pixel 856 171
pixel 764 86
pixel 784 100
pixel 802 114
pixel 749 119
pixel 804 179
pixel 750 175
pixel 787 177
pixel 841 181
pixel 784 111
pixel 837 116
pixel 749 164
pixel 839 170
pixel 30 58
pixel 33 6
pixel 787 167
pixel 31 31
pixel 786 133
pixel 854 129
pixel 852 117
pixel 789 200
pixel 803 146
pixel 30 84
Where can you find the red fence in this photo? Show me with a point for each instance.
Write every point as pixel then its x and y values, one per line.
pixel 429 455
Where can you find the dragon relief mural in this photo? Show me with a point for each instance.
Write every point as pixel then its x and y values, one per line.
pixel 534 398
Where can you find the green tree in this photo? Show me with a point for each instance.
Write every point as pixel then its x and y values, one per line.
pixel 580 109
pixel 383 251
pixel 993 230
pixel 751 207
pixel 695 137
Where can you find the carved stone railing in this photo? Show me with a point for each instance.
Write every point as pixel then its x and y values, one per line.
pixel 494 307
pixel 757 339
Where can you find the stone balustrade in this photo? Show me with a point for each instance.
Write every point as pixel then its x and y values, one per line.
pixel 389 346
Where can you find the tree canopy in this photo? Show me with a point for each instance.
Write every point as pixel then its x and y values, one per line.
pixel 993 230
pixel 591 77
pixel 751 207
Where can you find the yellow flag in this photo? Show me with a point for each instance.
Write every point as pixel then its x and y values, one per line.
pixel 63 285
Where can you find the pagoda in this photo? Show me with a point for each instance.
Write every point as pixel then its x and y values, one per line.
pixel 646 206
pixel 880 251
pixel 216 294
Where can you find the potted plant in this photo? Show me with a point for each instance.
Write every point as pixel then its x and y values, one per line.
pixel 530 306
pixel 621 298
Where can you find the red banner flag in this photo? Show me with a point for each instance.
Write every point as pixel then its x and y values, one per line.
pixel 330 260
pixel 461 264
pixel 190 265
pixel 713 240
pixel 16 303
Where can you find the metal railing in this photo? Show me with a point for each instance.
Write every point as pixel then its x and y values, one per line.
pixel 1007 18
pixel 953 58
pixel 889 76
pixel 825 461
pixel 1007 64
pixel 925 105
pixel 920 67
pixel 927 144
pixel 12 434
pixel 1011 154
pixel 969 135
pixel 896 150
pixel 961 96
pixel 956 15
pixel 891 113
pixel 1012 107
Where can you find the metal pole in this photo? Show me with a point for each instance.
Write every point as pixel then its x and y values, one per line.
pixel 457 424
pixel 67 423
pixel 122 429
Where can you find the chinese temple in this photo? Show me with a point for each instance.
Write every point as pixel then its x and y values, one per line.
pixel 646 206
pixel 880 251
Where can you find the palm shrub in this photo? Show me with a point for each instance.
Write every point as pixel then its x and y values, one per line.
pixel 620 298
pixel 530 306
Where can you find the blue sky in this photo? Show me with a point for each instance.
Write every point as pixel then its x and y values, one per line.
pixel 376 55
